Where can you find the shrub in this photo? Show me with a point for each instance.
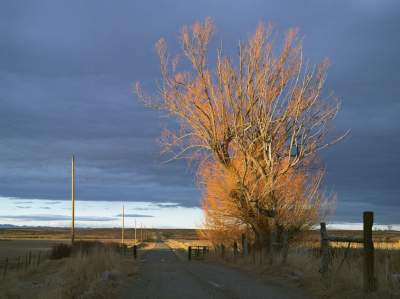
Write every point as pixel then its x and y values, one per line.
pixel 59 251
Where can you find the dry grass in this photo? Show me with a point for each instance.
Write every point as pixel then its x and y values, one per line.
pixel 96 275
pixel 346 270
pixel 346 273
pixel 15 248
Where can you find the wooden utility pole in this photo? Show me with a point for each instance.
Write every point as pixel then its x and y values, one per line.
pixel 123 225
pixel 73 200
pixel 141 232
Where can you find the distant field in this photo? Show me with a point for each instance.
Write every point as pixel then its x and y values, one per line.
pixel 185 234
pixel 91 234
pixel 16 243
pixel 15 248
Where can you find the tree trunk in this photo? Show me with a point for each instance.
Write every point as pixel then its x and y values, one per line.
pixel 262 241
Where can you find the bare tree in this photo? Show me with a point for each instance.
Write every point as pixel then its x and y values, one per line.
pixel 259 122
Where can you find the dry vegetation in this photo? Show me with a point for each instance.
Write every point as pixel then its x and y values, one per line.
pixel 94 273
pixel 303 262
pixel 65 233
pixel 256 123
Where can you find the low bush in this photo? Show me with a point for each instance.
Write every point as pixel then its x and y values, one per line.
pixel 59 251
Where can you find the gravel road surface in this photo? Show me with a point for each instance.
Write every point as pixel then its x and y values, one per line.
pixel 163 275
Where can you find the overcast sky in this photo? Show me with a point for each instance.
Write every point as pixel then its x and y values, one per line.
pixel 66 74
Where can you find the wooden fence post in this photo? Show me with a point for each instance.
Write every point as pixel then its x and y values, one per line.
pixel 285 245
pixel 254 250
pixel 369 279
pixel 38 258
pixel 272 244
pixel 235 249
pixel 245 249
pixel 5 267
pixel 18 263
pixel 222 250
pixel 324 250
pixel 190 253
pixel 135 251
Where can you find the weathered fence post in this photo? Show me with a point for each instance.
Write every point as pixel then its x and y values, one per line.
pixel 285 245
pixel 253 250
pixel 369 279
pixel 18 263
pixel 235 249
pixel 38 259
pixel 324 250
pixel 245 248
pixel 190 253
pixel 135 251
pixel 30 257
pixel 5 267
pixel 272 244
pixel 222 250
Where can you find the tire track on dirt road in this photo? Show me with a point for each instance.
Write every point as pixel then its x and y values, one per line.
pixel 163 275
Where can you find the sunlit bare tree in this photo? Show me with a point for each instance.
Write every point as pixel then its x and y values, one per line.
pixel 256 122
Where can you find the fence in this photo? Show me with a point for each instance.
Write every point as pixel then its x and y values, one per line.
pixel 277 252
pixel 368 248
pixel 127 251
pixel 25 262
pixel 197 251
pixel 32 260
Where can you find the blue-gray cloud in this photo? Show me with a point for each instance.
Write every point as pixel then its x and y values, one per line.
pixel 167 204
pixel 66 78
pixel 135 216
pixel 51 217
pixel 145 209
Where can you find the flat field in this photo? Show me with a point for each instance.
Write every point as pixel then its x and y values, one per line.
pixel 15 248
pixel 91 233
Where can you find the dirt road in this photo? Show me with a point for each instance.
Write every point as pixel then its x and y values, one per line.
pixel 163 275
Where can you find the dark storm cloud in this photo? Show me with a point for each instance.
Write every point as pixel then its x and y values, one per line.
pixel 66 75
